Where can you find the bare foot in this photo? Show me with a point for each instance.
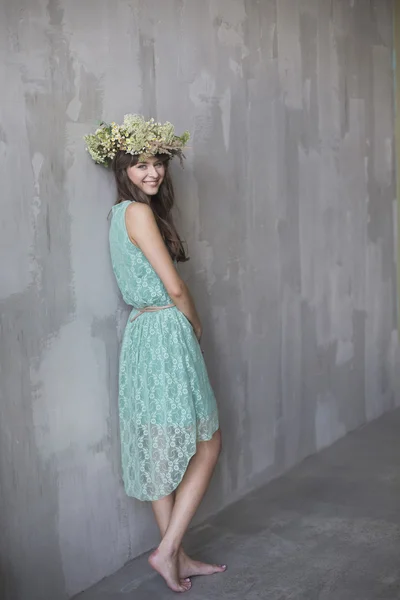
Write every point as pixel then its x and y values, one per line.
pixel 167 566
pixel 189 567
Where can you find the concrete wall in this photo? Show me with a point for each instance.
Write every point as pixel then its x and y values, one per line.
pixel 287 201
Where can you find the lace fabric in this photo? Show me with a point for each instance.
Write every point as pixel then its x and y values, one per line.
pixel 166 403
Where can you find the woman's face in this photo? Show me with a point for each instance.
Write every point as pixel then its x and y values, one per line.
pixel 147 175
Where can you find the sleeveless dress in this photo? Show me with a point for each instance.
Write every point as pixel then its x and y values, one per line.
pixel 166 403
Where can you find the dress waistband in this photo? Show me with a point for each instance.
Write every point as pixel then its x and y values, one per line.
pixel 150 309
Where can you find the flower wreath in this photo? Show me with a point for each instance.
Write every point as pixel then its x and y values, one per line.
pixel 137 137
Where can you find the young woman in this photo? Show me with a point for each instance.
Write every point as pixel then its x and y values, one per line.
pixel 170 437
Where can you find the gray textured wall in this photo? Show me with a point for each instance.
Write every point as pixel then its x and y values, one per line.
pixel 287 201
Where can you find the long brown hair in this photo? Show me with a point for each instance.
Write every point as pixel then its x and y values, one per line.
pixel 161 204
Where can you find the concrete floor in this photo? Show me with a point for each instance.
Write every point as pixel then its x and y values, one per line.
pixel 327 530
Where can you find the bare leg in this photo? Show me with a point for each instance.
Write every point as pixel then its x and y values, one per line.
pixel 187 566
pixel 191 490
pixel 162 511
pixel 187 499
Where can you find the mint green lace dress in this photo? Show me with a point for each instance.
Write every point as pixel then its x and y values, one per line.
pixel 166 403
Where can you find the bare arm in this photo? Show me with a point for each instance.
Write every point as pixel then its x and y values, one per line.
pixel 143 231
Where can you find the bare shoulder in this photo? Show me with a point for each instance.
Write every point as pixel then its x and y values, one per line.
pixel 139 210
pixel 140 223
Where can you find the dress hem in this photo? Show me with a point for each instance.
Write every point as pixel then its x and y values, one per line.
pixel 184 471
